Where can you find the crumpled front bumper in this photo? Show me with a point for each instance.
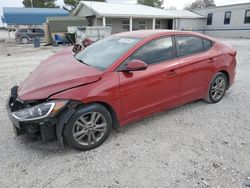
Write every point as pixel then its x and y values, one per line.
pixel 48 128
pixel 44 127
pixel 15 122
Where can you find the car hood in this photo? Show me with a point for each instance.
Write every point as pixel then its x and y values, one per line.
pixel 57 73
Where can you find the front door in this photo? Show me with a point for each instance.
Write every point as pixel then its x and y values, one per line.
pixel 147 91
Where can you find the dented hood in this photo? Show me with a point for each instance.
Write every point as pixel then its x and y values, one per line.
pixel 59 72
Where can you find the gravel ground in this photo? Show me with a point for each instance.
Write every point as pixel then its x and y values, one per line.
pixel 196 145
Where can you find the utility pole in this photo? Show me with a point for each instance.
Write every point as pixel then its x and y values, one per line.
pixel 31 2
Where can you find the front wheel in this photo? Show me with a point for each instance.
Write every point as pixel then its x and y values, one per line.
pixel 88 128
pixel 217 88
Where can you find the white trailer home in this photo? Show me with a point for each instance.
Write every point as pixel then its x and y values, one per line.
pixel 226 21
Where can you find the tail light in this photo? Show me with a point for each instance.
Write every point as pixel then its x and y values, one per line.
pixel 233 54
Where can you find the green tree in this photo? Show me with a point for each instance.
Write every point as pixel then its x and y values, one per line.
pixel 151 3
pixel 40 3
pixel 200 4
pixel 72 4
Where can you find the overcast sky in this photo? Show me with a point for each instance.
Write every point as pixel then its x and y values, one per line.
pixel 179 4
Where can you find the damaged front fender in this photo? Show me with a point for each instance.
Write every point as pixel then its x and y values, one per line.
pixel 64 118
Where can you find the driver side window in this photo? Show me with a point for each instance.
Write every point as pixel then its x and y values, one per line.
pixel 155 51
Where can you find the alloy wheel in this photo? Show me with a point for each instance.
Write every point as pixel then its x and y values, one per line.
pixel 89 128
pixel 25 40
pixel 218 88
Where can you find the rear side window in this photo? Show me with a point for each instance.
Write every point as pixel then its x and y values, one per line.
pixel 155 51
pixel 32 30
pixel 23 30
pixel 207 44
pixel 188 45
pixel 39 30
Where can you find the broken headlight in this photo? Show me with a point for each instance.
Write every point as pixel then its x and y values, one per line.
pixel 39 111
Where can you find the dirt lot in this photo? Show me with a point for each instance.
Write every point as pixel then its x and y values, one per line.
pixel 196 145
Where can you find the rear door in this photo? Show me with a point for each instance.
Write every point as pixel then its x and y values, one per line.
pixel 196 67
pixel 147 91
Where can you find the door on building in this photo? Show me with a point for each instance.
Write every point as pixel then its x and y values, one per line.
pixel 170 24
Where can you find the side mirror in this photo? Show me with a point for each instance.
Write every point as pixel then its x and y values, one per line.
pixel 136 65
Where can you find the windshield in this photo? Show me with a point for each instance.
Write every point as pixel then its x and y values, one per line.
pixel 105 52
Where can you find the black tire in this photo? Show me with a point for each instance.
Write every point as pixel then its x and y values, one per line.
pixel 87 111
pixel 77 48
pixel 215 87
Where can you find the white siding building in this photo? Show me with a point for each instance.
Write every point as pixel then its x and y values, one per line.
pixel 128 17
pixel 226 21
pixel 220 21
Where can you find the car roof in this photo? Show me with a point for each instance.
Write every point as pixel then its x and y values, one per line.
pixel 159 32
pixel 28 28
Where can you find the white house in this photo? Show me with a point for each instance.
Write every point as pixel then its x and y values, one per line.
pixel 226 21
pixel 220 21
pixel 128 17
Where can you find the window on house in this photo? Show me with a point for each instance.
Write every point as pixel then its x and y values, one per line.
pixel 142 25
pixel 209 18
pixel 158 24
pixel 227 17
pixel 108 23
pixel 125 25
pixel 247 17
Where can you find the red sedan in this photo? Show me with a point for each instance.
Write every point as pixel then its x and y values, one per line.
pixel 79 98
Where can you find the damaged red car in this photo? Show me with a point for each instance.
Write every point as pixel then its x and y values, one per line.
pixel 78 99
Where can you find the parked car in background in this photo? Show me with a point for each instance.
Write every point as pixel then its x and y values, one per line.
pixel 122 78
pixel 27 35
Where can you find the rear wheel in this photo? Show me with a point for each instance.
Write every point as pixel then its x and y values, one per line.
pixel 88 128
pixel 25 40
pixel 217 88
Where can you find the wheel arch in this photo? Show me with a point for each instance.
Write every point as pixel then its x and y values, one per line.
pixel 25 36
pixel 81 110
pixel 111 110
pixel 227 75
pixel 65 116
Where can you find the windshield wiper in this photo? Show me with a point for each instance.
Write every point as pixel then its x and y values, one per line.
pixel 82 61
